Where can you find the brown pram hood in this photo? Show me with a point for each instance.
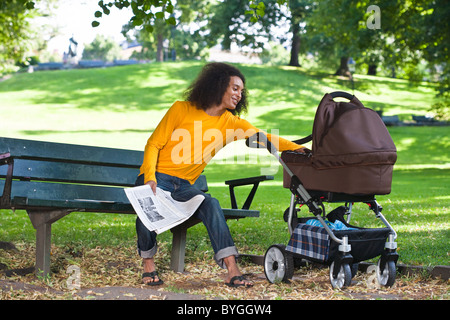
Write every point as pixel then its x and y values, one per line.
pixel 349 134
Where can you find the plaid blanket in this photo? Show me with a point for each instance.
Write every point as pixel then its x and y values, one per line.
pixel 310 241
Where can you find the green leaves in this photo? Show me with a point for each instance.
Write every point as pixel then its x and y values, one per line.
pixel 146 12
pixel 99 14
pixel 257 10
pixel 29 5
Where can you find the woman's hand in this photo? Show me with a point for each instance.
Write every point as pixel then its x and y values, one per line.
pixel 303 150
pixel 152 185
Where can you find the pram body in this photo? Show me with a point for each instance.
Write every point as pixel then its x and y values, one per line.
pixel 353 152
pixel 351 161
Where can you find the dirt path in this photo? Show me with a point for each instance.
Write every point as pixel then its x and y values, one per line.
pixel 309 285
pixel 112 273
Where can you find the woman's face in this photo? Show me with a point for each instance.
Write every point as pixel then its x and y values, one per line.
pixel 233 93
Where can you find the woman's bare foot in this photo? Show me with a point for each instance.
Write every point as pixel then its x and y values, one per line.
pixel 235 277
pixel 150 275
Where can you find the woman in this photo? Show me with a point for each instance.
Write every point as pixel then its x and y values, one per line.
pixel 187 137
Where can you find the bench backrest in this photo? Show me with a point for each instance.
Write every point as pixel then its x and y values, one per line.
pixel 49 161
pixel 48 175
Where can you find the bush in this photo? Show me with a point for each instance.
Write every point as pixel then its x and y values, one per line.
pixel 441 110
pixel 276 55
pixel 102 48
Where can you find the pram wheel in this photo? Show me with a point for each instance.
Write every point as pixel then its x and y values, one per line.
pixel 343 278
pixel 387 276
pixel 278 264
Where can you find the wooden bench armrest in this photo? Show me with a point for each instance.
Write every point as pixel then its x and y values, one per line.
pixel 245 181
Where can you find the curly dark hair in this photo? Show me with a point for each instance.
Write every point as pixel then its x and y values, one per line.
pixel 211 84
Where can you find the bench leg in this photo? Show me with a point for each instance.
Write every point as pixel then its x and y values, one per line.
pixel 42 222
pixel 178 248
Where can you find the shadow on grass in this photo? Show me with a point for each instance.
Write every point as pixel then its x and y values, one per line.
pixel 155 86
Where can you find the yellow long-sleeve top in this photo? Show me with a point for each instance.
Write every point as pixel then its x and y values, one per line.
pixel 187 138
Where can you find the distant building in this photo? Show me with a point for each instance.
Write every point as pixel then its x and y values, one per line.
pixel 128 48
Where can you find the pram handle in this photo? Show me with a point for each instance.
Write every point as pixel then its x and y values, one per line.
pixel 342 94
pixel 259 140
pixel 336 94
pixel 304 140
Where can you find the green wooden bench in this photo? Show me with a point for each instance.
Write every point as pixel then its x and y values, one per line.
pixel 50 180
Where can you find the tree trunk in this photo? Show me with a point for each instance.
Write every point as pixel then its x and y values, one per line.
pixel 372 70
pixel 160 48
pixel 343 68
pixel 295 48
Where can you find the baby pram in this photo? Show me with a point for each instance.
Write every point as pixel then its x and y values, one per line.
pixel 351 160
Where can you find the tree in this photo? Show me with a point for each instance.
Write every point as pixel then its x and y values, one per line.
pixel 408 32
pixel 102 48
pixel 424 28
pixel 151 15
pixel 146 12
pixel 182 41
pixel 332 32
pixel 230 23
pixel 151 41
pixel 15 32
pixel 299 10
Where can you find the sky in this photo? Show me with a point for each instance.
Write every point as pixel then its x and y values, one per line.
pixel 74 17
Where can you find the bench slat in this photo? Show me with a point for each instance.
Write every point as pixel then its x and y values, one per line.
pixel 31 149
pixel 75 205
pixel 26 194
pixel 57 193
pixel 71 172
pixel 240 213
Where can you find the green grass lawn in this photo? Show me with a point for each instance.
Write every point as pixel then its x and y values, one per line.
pixel 119 107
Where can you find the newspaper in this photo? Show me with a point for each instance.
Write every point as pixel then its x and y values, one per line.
pixel 160 212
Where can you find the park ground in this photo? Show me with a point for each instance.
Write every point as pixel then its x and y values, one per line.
pixel 127 102
pixel 114 274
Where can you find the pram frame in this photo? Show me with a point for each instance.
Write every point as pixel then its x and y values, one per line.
pixel 259 140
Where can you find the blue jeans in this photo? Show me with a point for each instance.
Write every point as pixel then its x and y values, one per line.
pixel 209 212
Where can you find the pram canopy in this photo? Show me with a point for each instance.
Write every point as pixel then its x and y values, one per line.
pixel 352 151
